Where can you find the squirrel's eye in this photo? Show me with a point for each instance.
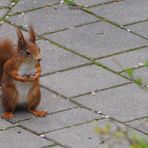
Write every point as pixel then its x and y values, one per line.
pixel 28 52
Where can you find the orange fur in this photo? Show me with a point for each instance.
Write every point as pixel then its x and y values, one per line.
pixel 6 52
pixel 14 63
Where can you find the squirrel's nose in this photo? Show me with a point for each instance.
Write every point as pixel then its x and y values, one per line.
pixel 39 59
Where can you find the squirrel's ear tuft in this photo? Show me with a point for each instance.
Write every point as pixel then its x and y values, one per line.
pixel 21 40
pixel 32 37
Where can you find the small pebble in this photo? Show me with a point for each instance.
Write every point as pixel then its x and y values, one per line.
pixel 26 26
pixel 98 112
pixel 4 128
pixel 62 1
pixel 141 64
pixel 128 30
pixel 93 93
pixel 42 136
pixel 12 4
pixel 35 2
pixel 7 17
pixel 22 14
pixel 107 116
pixel 71 27
pixel 1 22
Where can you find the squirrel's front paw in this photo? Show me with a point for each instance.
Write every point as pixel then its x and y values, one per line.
pixel 33 77
pixel 25 78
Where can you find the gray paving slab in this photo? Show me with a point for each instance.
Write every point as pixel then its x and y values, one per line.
pixel 85 136
pixel 97 39
pixel 55 18
pixel 24 5
pixel 8 31
pixel 49 102
pixel 123 103
pixel 140 28
pixel 55 58
pixel 81 80
pixel 2 12
pixel 56 146
pixel 59 120
pixel 20 138
pixel 4 2
pixel 90 3
pixel 124 12
pixel 141 125
pixel 123 61
pixel 4 124
pixel 140 73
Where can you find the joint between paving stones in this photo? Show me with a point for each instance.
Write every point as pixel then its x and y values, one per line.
pixel 110 22
pixel 132 68
pixel 68 28
pixel 66 98
pixel 7 128
pixel 104 3
pixel 122 52
pixel 74 125
pixel 68 109
pixel 134 23
pixel 10 7
pixel 66 69
pixel 100 90
pixel 136 119
pixel 49 146
pixel 34 9
pixel 57 143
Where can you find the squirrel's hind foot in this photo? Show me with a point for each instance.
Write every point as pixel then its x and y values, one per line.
pixel 38 113
pixel 7 115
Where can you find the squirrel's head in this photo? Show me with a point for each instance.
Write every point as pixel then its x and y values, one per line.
pixel 28 48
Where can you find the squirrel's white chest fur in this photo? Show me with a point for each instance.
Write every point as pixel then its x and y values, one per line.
pixel 23 88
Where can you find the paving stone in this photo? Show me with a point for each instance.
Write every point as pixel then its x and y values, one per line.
pixel 55 18
pixel 59 120
pixel 24 5
pixel 140 73
pixel 132 11
pixel 125 60
pixel 97 39
pixel 4 124
pixel 52 146
pixel 49 102
pixel 123 103
pixel 55 58
pixel 19 138
pixel 85 136
pixel 90 3
pixel 57 147
pixel 4 2
pixel 81 80
pixel 7 30
pixel 2 12
pixel 141 125
pixel 140 28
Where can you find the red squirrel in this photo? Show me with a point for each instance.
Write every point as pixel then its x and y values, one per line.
pixel 19 74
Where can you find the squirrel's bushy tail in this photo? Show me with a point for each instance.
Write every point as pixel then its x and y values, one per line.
pixel 6 52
